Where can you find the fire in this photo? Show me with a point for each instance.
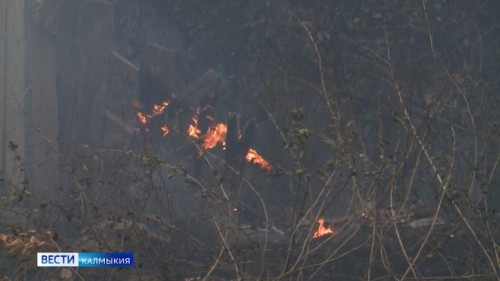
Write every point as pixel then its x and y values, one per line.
pixel 322 230
pixel 157 110
pixel 216 134
pixel 254 158
pixel 143 119
pixel 193 130
pixel 164 130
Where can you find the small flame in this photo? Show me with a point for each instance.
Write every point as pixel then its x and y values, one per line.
pixel 216 134
pixel 143 119
pixel 254 158
pixel 157 110
pixel 322 230
pixel 193 130
pixel 164 130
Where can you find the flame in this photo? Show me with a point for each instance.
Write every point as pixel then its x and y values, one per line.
pixel 193 130
pixel 157 110
pixel 143 119
pixel 164 130
pixel 322 230
pixel 216 134
pixel 254 158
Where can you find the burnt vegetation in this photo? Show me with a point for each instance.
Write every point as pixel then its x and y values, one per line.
pixel 378 121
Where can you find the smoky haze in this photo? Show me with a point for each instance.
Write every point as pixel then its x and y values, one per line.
pixel 251 140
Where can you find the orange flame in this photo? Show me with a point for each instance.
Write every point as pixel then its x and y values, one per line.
pixel 157 110
pixel 216 134
pixel 322 230
pixel 193 130
pixel 143 119
pixel 164 130
pixel 254 158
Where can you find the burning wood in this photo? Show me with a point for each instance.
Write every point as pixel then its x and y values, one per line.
pixel 254 158
pixel 322 230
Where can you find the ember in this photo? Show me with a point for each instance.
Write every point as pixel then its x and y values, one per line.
pixel 254 158
pixel 322 230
